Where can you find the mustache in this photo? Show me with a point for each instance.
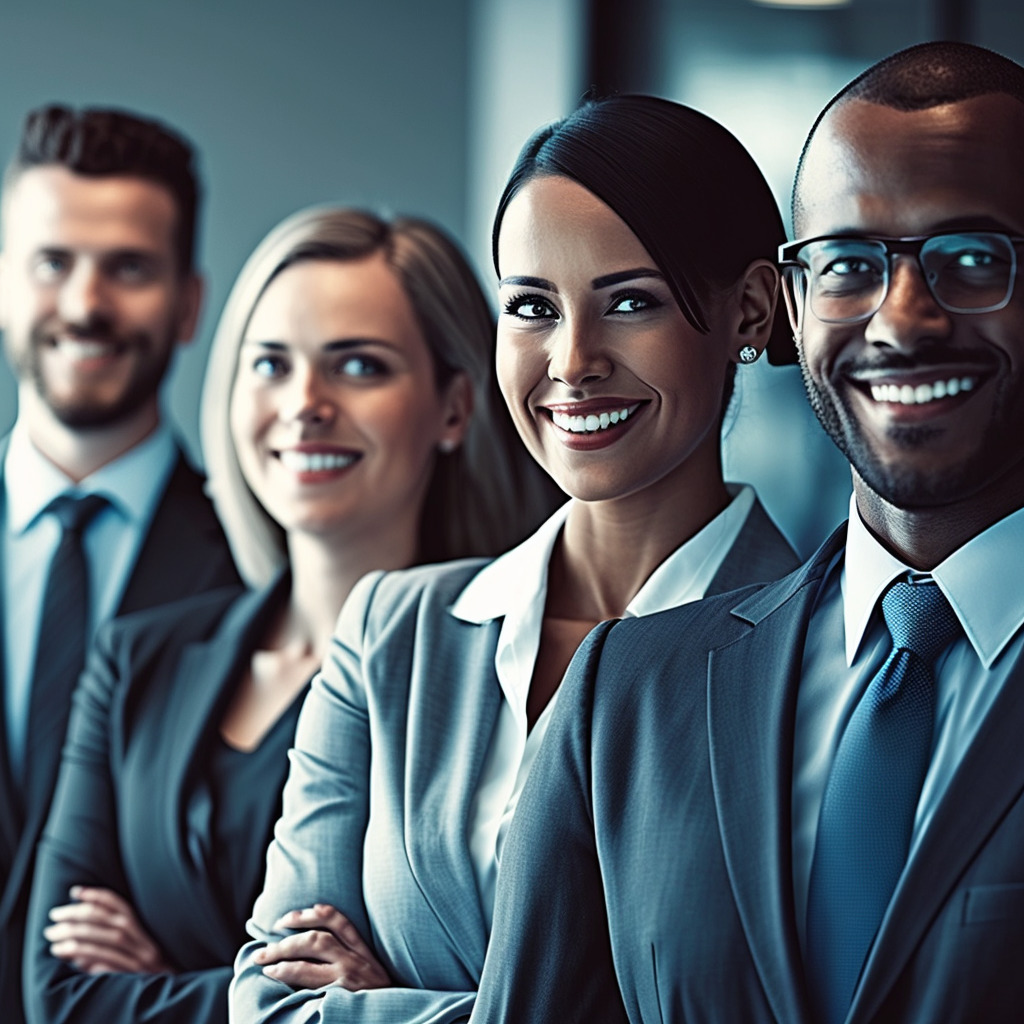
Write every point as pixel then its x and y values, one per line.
pixel 937 356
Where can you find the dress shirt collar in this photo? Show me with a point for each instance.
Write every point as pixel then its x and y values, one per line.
pixel 132 483
pixel 519 577
pixel 986 598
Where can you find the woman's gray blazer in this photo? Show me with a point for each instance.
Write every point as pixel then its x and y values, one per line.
pixel 389 749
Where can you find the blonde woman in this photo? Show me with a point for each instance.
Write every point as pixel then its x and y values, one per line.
pixel 349 424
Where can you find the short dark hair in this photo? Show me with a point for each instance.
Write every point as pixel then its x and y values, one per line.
pixel 683 184
pixel 101 143
pixel 924 76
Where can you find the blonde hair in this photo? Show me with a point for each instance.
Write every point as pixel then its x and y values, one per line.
pixel 482 498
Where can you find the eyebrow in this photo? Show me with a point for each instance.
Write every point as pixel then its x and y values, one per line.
pixel 605 281
pixel 338 345
pixel 625 275
pixel 530 282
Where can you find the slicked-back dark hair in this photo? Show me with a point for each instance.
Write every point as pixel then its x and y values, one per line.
pixel 102 143
pixel 924 76
pixel 682 183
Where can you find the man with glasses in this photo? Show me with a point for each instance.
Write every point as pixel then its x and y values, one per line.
pixel 804 802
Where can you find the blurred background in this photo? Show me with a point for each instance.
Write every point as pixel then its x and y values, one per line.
pixel 421 107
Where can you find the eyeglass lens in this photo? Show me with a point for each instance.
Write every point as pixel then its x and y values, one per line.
pixel 968 272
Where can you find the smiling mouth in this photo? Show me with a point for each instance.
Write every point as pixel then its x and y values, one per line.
pixel 316 462
pixel 593 422
pixel 922 394
pixel 86 348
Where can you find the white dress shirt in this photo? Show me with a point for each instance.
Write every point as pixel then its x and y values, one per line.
pixel 989 603
pixel 514 589
pixel 133 485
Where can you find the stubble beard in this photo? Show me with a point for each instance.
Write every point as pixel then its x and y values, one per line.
pixel 904 486
pixel 83 411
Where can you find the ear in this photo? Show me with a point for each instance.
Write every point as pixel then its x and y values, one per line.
pixel 190 302
pixel 756 293
pixel 457 410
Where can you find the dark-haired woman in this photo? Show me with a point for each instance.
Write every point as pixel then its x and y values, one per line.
pixel 634 247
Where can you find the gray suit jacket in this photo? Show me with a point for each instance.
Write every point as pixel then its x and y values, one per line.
pixel 389 751
pixel 647 875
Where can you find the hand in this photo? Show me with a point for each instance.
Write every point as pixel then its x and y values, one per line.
pixel 326 949
pixel 99 933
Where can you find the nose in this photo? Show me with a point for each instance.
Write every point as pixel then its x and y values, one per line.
pixel 577 355
pixel 909 314
pixel 307 398
pixel 84 300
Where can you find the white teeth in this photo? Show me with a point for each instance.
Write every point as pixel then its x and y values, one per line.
pixel 82 349
pixel 908 394
pixel 314 462
pixel 590 424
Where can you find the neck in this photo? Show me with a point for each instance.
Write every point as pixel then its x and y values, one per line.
pixel 324 570
pixel 924 537
pixel 609 549
pixel 78 452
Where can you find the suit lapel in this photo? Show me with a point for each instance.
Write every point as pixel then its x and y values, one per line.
pixel 446 758
pixel 987 782
pixel 204 679
pixel 752 691
pixel 183 552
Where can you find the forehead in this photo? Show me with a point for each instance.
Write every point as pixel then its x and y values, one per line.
pixel 52 206
pixel 555 227
pixel 889 172
pixel 326 300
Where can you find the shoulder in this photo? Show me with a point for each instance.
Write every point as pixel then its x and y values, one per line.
pixel 172 625
pixel 382 599
pixel 678 640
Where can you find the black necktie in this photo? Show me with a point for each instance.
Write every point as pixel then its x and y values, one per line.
pixel 870 800
pixel 63 623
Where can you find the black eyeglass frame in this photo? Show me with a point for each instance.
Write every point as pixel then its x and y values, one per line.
pixel 908 245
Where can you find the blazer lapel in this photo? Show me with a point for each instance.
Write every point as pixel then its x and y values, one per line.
pixel 752 689
pixel 446 759
pixel 987 782
pixel 205 677
pixel 184 551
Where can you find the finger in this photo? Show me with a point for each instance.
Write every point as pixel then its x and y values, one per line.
pixel 319 946
pixel 102 898
pixel 82 931
pixel 301 974
pixel 87 912
pixel 84 954
pixel 323 915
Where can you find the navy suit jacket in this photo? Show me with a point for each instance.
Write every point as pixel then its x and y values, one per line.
pixel 647 875
pixel 183 553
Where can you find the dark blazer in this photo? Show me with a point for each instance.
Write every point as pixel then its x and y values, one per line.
pixel 184 553
pixel 648 876
pixel 133 811
pixel 383 838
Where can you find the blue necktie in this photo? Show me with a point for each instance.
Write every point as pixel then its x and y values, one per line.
pixel 867 812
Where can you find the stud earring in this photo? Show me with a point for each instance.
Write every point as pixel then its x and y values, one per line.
pixel 748 354
pixel 446 446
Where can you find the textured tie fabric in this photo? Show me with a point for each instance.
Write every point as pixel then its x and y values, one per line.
pixel 867 812
pixel 60 651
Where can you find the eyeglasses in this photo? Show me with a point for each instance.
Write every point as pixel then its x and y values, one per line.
pixel 846 279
